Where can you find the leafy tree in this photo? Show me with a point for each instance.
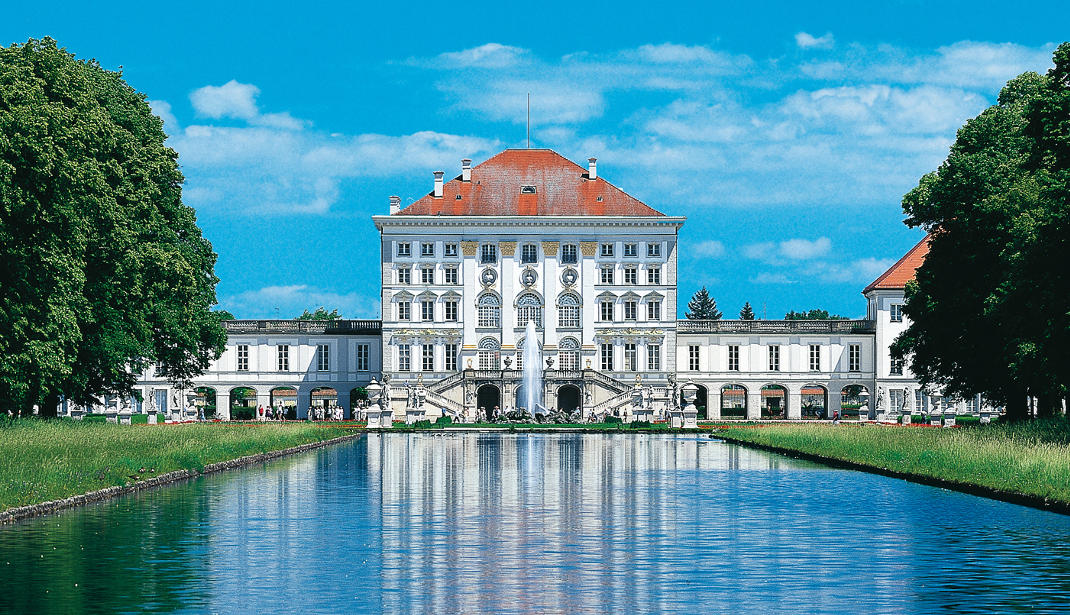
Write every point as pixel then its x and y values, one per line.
pixel 321 313
pixel 224 315
pixel 813 315
pixel 702 307
pixel 104 269
pixel 989 309
pixel 747 313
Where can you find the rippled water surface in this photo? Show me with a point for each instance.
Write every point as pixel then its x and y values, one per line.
pixel 540 523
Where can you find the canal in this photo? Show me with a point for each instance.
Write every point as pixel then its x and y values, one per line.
pixel 450 522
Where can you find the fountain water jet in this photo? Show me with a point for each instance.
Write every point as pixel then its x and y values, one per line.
pixel 532 371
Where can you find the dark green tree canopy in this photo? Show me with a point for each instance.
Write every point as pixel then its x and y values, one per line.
pixel 320 313
pixel 104 269
pixel 702 307
pixel 989 309
pixel 747 313
pixel 814 314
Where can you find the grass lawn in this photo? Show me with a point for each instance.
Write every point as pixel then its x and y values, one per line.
pixel 49 460
pixel 1031 458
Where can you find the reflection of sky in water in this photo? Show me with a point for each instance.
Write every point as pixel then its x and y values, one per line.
pixel 541 523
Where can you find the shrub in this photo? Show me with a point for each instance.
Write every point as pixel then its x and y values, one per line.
pixel 614 420
pixel 241 414
pixel 444 420
pixel 641 425
pixel 424 424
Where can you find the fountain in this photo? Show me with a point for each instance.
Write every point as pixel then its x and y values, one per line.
pixel 532 371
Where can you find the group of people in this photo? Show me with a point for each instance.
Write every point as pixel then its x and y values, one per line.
pixel 328 412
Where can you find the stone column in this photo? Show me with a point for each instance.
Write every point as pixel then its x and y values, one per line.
pixel 794 402
pixel 222 405
pixel 754 403
pixel 713 404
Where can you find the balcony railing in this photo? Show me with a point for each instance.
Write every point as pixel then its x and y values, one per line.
pixel 776 326
pixel 311 327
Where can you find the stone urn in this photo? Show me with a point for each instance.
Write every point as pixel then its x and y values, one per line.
pixel 689 412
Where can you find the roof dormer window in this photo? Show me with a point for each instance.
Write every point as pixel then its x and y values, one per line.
pixel 527 190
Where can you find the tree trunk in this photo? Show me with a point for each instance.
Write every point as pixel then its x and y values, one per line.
pixel 1017 407
pixel 49 407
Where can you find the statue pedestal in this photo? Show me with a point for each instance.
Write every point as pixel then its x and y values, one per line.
pixel 690 418
pixel 111 415
pixel 986 417
pixel 412 415
pixel 643 414
pixel 676 419
pixel 934 419
pixel 124 418
pixel 949 419
pixel 77 413
pixel 906 418
pixel 152 417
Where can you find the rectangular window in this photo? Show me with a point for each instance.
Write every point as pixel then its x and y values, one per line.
pixel 854 357
pixel 427 310
pixel 450 249
pixel 404 275
pixel 451 357
pixel 605 353
pixel 733 358
pixel 529 253
pixel 631 249
pixel 404 248
pixel 774 358
pixel 653 275
pixel 568 254
pixel 897 312
pixel 607 275
pixel 653 249
pixel 488 253
pixel 451 311
pixel 283 355
pixel 653 310
pixel 815 358
pixel 895 400
pixel 427 275
pixel 606 311
pixel 488 316
pixel 404 358
pixel 653 357
pixel 631 276
pixel 568 317
pixel 243 358
pixel 897 367
pixel 404 310
pixel 427 249
pixel 323 358
pixel 363 357
pixel 428 358
pixel 489 359
pixel 630 309
pixel 450 274
pixel 692 358
pixel 606 249
pixel 631 363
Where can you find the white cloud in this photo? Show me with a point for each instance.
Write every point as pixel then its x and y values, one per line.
pixel 790 250
pixel 711 248
pixel 489 55
pixel 809 41
pixel 230 100
pixel 858 271
pixel 293 299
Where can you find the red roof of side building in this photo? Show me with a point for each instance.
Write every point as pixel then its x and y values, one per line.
pixel 562 188
pixel 903 270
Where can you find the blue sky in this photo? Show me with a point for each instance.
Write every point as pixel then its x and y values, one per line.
pixel 786 132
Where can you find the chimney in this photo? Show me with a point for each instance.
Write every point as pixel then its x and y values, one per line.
pixel 466 170
pixel 438 184
pixel 395 204
pixel 592 169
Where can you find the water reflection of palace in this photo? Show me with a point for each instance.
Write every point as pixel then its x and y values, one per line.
pixel 519 517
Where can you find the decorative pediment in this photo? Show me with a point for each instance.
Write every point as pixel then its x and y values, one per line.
pixel 653 296
pixel 403 296
pixel 629 296
pixel 569 299
pixel 607 295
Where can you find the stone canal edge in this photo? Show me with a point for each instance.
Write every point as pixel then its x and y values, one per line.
pixel 53 506
pixel 1013 497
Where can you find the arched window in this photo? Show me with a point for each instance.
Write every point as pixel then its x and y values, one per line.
pixel 489 309
pixel 568 355
pixel 568 311
pixel 528 307
pixel 489 353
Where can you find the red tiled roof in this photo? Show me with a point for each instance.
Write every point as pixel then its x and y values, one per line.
pixel 561 189
pixel 903 270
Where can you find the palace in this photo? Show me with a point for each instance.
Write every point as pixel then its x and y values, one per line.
pixel 531 236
